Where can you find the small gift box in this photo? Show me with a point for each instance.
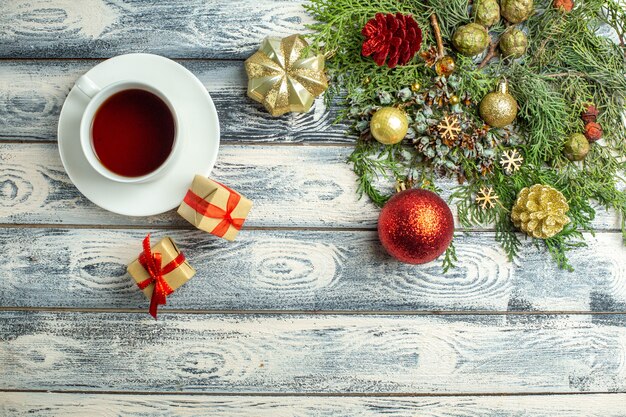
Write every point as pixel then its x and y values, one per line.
pixel 214 208
pixel 159 270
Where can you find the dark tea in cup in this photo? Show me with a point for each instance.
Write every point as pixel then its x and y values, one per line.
pixel 133 132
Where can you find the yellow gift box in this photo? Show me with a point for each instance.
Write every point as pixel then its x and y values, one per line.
pixel 214 208
pixel 162 268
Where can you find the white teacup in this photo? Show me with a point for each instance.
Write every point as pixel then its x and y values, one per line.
pixel 97 96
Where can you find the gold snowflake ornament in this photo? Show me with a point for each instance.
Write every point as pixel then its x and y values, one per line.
pixel 511 161
pixel 486 198
pixel 449 129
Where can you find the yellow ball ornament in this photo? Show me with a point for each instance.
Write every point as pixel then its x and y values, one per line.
pixel 498 109
pixel 415 87
pixel 445 66
pixel 389 125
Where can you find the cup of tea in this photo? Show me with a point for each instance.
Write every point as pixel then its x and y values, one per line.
pixel 129 131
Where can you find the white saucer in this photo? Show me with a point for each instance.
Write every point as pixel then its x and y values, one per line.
pixel 199 144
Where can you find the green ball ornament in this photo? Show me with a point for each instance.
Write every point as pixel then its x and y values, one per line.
pixel 576 147
pixel 389 125
pixel 486 12
pixel 498 109
pixel 471 39
pixel 516 11
pixel 513 43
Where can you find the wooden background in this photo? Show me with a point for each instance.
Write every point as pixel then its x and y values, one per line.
pixel 303 314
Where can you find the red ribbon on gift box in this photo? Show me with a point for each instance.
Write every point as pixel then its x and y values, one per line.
pixel 207 209
pixel 152 263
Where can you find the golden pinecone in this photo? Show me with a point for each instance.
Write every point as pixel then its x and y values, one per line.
pixel 539 211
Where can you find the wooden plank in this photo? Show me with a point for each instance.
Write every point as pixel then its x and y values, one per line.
pixel 291 186
pixel 134 405
pixel 311 271
pixel 312 353
pixel 32 94
pixel 104 28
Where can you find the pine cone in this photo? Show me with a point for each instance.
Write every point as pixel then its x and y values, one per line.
pixel 593 131
pixel 590 114
pixel 539 211
pixel 564 5
pixel 397 37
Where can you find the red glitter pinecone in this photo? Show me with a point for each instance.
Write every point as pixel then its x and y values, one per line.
pixel 392 38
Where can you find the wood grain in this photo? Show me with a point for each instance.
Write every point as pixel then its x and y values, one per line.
pixel 312 353
pixel 311 271
pixel 291 186
pixel 32 94
pixel 105 28
pixel 133 405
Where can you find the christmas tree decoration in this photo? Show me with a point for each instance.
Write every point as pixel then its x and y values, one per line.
pixel 430 55
pixel 471 39
pixel 499 108
pixel 415 226
pixel 160 270
pixel 593 131
pixel 571 64
pixel 449 129
pixel 540 211
pixel 445 66
pixel 282 78
pixel 486 12
pixel 513 43
pixel 516 11
pixel 214 208
pixel 415 87
pixel 564 5
pixel 392 38
pixel 576 147
pixel 590 114
pixel 511 161
pixel 389 125
pixel 486 198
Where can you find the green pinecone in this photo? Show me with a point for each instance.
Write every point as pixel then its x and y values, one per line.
pixel 516 11
pixel 471 39
pixel 513 43
pixel 486 12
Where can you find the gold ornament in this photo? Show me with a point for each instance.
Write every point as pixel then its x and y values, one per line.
pixel 282 78
pixel 486 198
pixel 449 129
pixel 499 109
pixel 415 87
pixel 389 125
pixel 367 80
pixel 511 161
pixel 445 66
pixel 454 100
pixel 540 211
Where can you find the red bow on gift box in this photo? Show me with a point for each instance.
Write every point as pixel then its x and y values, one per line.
pixel 152 264
pixel 207 209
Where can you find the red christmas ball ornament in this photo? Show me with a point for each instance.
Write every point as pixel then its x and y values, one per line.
pixel 415 226
pixel 397 37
